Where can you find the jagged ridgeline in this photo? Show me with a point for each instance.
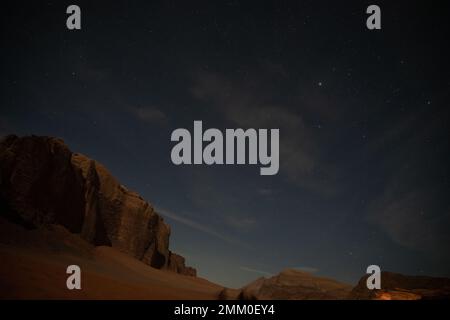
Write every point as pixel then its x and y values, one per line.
pixel 43 182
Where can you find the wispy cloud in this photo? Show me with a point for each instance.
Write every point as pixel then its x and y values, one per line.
pixel 150 115
pixel 199 226
pixel 412 208
pixel 248 107
pixel 226 205
pixel 412 219
pixel 265 191
pixel 265 273
pixel 269 274
pixel 240 222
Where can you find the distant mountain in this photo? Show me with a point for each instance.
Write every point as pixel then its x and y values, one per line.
pixel 395 286
pixel 298 285
pixel 291 284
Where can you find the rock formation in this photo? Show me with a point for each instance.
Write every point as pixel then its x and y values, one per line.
pixel 395 286
pixel 290 284
pixel 43 182
pixel 177 264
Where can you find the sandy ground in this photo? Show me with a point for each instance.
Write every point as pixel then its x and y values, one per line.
pixel 33 266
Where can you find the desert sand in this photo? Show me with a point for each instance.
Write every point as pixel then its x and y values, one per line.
pixel 35 268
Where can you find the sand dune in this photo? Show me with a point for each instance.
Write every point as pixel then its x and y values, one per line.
pixel 35 268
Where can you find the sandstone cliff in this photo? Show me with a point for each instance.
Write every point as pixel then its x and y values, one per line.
pixel 43 182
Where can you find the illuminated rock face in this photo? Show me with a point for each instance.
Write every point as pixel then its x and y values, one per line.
pixel 395 295
pixel 395 286
pixel 43 182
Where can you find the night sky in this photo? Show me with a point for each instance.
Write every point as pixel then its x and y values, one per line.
pixel 363 118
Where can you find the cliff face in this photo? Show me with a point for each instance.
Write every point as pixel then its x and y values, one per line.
pixel 43 182
pixel 116 216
